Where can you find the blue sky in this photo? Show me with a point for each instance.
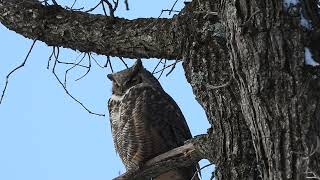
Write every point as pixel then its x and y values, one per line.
pixel 45 135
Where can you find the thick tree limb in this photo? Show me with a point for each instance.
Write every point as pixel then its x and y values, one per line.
pixel 140 38
pixel 183 156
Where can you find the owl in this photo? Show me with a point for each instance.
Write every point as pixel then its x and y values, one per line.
pixel 145 120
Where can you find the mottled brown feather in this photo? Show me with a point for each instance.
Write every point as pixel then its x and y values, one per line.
pixel 146 122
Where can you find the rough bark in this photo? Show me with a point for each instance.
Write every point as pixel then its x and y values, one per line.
pixel 140 38
pixel 267 115
pixel 246 67
pixel 267 56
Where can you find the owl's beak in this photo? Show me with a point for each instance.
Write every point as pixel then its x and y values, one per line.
pixel 109 76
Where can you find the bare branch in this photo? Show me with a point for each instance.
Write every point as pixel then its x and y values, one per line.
pixel 54 25
pixel 124 62
pixel 167 10
pixel 112 8
pixel 104 8
pixel 155 68
pixel 50 57
pixel 162 70
pixel 74 2
pixel 56 55
pixel 183 156
pixel 69 63
pixel 75 65
pixel 89 68
pixel 127 4
pixel 55 2
pixel 95 60
pixel 109 63
pixel 174 4
pixel 15 69
pixel 173 65
pixel 198 170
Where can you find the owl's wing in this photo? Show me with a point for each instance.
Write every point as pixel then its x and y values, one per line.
pixel 161 116
pixel 150 124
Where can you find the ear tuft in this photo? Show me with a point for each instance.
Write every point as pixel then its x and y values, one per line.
pixel 137 67
pixel 109 76
pixel 138 63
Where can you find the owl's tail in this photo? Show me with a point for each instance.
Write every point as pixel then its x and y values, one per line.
pixel 181 174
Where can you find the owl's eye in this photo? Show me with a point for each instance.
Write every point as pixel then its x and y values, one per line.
pixel 136 80
pixel 133 81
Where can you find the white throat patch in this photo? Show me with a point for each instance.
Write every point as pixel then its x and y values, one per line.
pixel 119 98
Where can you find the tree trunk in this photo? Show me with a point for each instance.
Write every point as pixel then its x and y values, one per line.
pixel 262 100
pixel 246 63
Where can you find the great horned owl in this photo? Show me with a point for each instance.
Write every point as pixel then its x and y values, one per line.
pixel 145 120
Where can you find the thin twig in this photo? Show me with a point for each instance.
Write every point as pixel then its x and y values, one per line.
pixel 155 68
pixel 74 2
pixel 65 89
pixel 45 2
pixel 89 68
pixel 124 62
pixel 69 63
pixel 104 8
pixel 164 67
pixel 67 71
pixel 50 57
pixel 109 63
pixel 95 61
pixel 15 69
pixel 167 10
pixel 56 54
pixel 173 67
pixel 111 8
pixel 127 4
pixel 174 4
pixel 116 3
pixel 74 9
pixel 198 170
pixel 55 2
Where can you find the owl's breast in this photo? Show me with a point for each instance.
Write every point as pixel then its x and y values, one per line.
pixel 115 104
pixel 114 111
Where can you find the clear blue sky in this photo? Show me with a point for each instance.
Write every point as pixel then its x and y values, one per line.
pixel 45 135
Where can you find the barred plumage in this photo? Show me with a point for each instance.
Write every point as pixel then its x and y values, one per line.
pixel 145 120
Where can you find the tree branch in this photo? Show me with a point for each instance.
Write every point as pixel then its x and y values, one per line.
pixel 15 69
pixel 139 38
pixel 183 156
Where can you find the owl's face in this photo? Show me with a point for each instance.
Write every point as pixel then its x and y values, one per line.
pixel 120 87
pixel 125 79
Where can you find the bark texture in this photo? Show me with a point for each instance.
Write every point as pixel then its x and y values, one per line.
pixel 246 66
pixel 183 156
pixel 139 38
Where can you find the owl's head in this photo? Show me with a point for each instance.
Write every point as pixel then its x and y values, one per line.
pixel 125 79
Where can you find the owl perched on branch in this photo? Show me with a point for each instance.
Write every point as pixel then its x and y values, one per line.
pixel 145 120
